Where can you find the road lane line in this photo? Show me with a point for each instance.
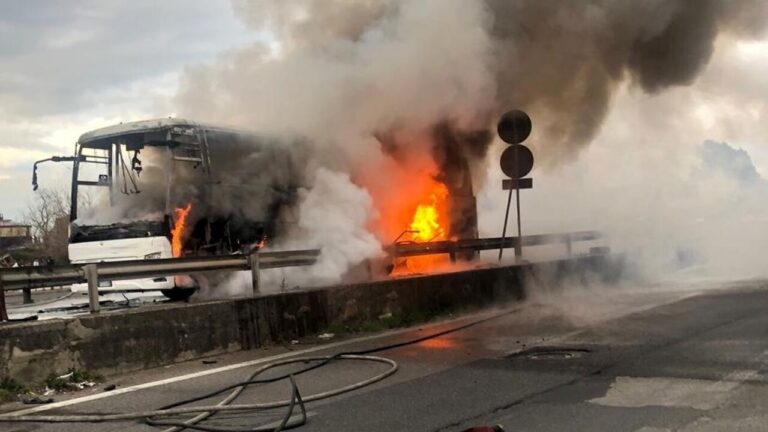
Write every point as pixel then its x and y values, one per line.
pixel 423 327
pixel 193 375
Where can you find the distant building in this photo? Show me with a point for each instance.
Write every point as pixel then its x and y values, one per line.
pixel 14 235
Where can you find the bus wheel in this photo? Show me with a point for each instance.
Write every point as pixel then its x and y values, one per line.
pixel 178 294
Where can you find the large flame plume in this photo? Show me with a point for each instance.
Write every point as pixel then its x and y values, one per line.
pixel 429 221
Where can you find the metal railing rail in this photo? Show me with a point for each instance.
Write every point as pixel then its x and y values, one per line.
pixel 42 276
pixel 453 247
pixel 24 278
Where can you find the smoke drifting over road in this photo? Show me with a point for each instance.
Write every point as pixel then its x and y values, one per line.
pixel 344 74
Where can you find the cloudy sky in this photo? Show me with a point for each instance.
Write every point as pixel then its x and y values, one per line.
pixel 68 67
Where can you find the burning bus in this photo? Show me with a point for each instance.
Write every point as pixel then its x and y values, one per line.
pixel 172 187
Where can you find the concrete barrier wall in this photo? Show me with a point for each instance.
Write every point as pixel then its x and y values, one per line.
pixel 150 336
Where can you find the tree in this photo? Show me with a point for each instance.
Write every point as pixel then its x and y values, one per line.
pixel 48 207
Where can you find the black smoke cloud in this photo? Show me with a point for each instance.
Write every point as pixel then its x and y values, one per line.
pixel 564 60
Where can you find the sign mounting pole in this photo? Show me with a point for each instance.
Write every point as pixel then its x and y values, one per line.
pixel 506 217
pixel 516 162
pixel 519 242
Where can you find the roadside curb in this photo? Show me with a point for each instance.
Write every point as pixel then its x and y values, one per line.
pixel 125 341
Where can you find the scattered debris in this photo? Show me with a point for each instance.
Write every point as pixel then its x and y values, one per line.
pixel 325 336
pixel 73 380
pixel 81 385
pixel 33 399
pixel 210 362
pixel 295 342
pixel 66 376
pixel 110 387
pixel 385 316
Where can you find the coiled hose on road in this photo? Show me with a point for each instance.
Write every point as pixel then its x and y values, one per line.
pixel 203 412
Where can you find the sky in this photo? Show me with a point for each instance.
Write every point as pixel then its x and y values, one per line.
pixel 69 67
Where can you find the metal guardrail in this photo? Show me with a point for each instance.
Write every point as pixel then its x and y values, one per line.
pixel 454 247
pixel 24 278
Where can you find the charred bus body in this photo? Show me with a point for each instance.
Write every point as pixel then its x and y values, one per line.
pixel 218 190
pixel 173 187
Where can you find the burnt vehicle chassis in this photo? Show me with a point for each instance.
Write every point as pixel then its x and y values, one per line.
pixel 163 164
pixel 188 153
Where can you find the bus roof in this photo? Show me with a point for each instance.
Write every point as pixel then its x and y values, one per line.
pixel 102 137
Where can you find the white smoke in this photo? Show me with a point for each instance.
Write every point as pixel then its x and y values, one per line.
pixel 401 73
pixel 346 71
pixel 332 216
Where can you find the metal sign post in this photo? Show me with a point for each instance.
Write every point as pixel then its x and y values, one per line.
pixel 518 243
pixel 516 162
pixel 506 218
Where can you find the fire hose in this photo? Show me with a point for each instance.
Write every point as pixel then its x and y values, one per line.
pixel 204 412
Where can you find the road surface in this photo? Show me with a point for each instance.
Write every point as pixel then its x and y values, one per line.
pixel 667 358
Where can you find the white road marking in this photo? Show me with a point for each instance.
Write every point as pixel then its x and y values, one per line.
pixel 138 387
pixel 634 392
pixel 193 375
pixel 702 394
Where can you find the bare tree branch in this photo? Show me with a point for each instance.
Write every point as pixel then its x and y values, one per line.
pixel 42 214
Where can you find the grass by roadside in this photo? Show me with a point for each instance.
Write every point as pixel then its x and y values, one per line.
pixel 10 389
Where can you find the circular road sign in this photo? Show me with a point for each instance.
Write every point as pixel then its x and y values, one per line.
pixel 516 165
pixel 514 127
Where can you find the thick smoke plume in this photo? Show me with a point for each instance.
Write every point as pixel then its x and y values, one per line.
pixel 388 64
pixel 564 60
pixel 369 84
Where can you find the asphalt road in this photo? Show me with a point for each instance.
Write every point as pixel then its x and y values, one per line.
pixel 667 358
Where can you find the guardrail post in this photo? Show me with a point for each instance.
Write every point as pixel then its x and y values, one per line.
pixel 3 312
pixel 253 262
pixel 92 276
pixel 26 295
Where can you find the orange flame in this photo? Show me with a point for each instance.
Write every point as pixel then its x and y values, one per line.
pixel 179 225
pixel 426 220
pixel 428 223
pixel 262 243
